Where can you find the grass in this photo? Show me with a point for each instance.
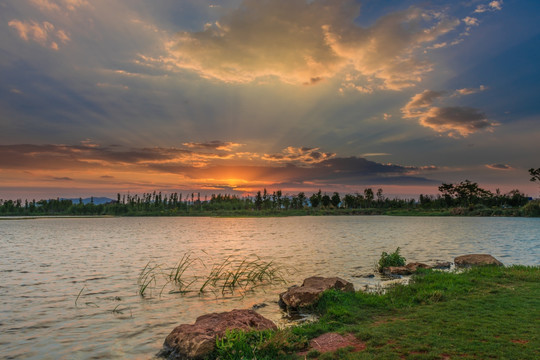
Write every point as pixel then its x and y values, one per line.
pixel 481 313
pixel 224 277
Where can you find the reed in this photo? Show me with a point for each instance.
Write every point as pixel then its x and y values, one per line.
pixel 224 277
pixel 79 295
pixel 147 277
pixel 176 275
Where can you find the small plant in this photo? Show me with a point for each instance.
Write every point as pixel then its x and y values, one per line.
pixel 176 275
pixel 392 259
pixel 146 277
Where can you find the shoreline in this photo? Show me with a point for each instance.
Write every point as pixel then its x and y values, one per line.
pixel 481 312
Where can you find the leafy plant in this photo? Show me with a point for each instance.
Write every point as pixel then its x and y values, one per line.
pixel 392 259
pixel 266 344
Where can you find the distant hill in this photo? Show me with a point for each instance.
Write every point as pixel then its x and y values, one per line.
pixel 97 200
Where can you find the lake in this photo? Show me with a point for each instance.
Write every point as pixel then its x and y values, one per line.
pixel 70 287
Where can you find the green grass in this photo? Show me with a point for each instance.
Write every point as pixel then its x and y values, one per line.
pixel 392 259
pixel 225 277
pixel 481 313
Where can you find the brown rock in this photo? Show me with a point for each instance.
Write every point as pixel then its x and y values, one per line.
pixel 476 260
pixel 416 265
pixel 311 290
pixel 405 270
pixel 397 270
pixel 194 341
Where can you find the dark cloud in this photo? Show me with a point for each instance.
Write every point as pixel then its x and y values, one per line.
pixel 452 120
pixel 499 166
pixel 62 178
pixel 214 145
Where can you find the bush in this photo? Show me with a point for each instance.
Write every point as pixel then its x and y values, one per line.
pixel 392 259
pixel 532 208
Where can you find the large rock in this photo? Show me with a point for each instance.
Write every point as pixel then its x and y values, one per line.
pixel 310 292
pixel 476 260
pixel 195 341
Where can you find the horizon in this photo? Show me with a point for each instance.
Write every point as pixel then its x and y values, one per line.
pixel 291 95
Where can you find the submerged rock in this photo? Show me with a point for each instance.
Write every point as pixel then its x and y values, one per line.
pixel 195 341
pixel 476 260
pixel 408 269
pixel 310 292
pixel 442 265
pixel 416 265
pixel 396 270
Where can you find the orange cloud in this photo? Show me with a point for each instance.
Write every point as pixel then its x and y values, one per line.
pixel 301 155
pixel 300 42
pixel 43 34
pixel 140 169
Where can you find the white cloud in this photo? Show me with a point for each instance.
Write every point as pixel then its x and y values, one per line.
pixel 298 42
pixel 492 6
pixel 470 21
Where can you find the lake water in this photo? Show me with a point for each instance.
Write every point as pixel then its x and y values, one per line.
pixel 63 279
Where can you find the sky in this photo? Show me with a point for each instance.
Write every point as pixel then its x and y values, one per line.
pixel 99 97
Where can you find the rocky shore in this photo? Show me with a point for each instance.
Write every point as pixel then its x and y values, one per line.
pixel 198 340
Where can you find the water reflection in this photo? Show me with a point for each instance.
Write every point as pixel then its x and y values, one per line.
pixel 47 262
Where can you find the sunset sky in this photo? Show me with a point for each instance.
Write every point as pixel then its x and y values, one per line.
pixel 223 96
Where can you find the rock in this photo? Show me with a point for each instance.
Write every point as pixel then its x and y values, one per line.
pixel 476 260
pixel 416 265
pixel 311 290
pixel 195 341
pixel 365 276
pixel 404 270
pixel 396 270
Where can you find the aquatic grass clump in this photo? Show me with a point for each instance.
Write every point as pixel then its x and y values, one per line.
pixel 147 276
pixel 392 259
pixel 224 277
pixel 249 274
pixel 176 275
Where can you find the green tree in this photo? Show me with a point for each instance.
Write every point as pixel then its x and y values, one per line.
pixel 258 201
pixel 535 174
pixel 336 199
pixel 368 194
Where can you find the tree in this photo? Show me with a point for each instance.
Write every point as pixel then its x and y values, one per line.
pixel 301 200
pixel 336 199
pixel 349 201
pixel 368 194
pixel 314 200
pixel 380 196
pixel 325 200
pixel 258 201
pixel 535 174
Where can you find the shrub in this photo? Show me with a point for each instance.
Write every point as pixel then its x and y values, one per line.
pixel 392 259
pixel 532 208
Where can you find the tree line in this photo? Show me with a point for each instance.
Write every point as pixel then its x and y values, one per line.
pixel 464 195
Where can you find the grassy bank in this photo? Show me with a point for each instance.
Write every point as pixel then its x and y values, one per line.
pixel 482 313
